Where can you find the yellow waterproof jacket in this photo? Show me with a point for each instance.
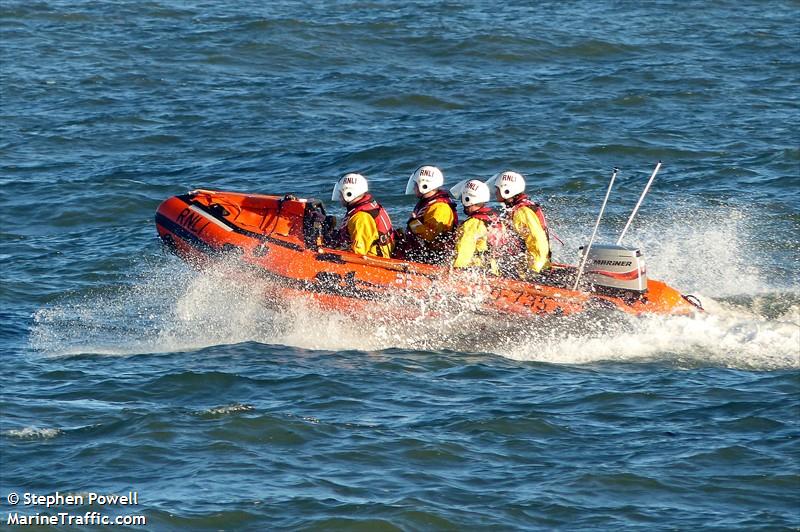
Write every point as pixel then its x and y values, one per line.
pixel 364 236
pixel 438 219
pixel 472 245
pixel 537 249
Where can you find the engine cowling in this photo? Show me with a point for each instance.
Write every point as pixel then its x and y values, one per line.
pixel 613 266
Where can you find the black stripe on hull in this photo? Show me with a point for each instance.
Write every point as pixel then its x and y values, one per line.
pixel 187 236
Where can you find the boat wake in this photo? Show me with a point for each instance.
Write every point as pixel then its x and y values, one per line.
pixel 728 335
pixel 173 308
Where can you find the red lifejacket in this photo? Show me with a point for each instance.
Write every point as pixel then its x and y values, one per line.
pixel 486 215
pixel 384 225
pixel 498 239
pixel 522 200
pixel 441 196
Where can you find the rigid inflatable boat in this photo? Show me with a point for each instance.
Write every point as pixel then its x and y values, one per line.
pixel 281 240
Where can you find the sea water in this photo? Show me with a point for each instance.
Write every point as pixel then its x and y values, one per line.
pixel 126 371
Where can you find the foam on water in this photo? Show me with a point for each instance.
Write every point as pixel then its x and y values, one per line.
pixel 726 336
pixel 168 308
pixel 33 433
pixel 235 408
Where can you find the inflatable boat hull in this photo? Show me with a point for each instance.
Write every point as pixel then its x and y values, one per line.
pixel 279 239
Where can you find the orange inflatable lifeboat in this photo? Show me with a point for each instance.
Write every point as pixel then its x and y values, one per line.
pixel 280 239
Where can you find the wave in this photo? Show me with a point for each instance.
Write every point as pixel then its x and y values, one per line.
pixel 416 101
pixel 235 408
pixel 33 433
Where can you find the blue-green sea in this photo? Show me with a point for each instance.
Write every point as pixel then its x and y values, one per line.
pixel 125 370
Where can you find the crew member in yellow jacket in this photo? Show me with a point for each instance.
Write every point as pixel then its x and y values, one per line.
pixel 478 238
pixel 527 221
pixel 432 224
pixel 366 228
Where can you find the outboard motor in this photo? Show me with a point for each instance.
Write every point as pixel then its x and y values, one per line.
pixel 616 267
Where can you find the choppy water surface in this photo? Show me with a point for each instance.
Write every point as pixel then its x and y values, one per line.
pixel 126 370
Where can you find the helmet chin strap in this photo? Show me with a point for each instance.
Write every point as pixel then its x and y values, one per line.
pixel 354 200
pixel 428 194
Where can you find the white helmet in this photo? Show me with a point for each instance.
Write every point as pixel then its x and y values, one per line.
pixel 508 183
pixel 425 178
pixel 471 192
pixel 349 188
